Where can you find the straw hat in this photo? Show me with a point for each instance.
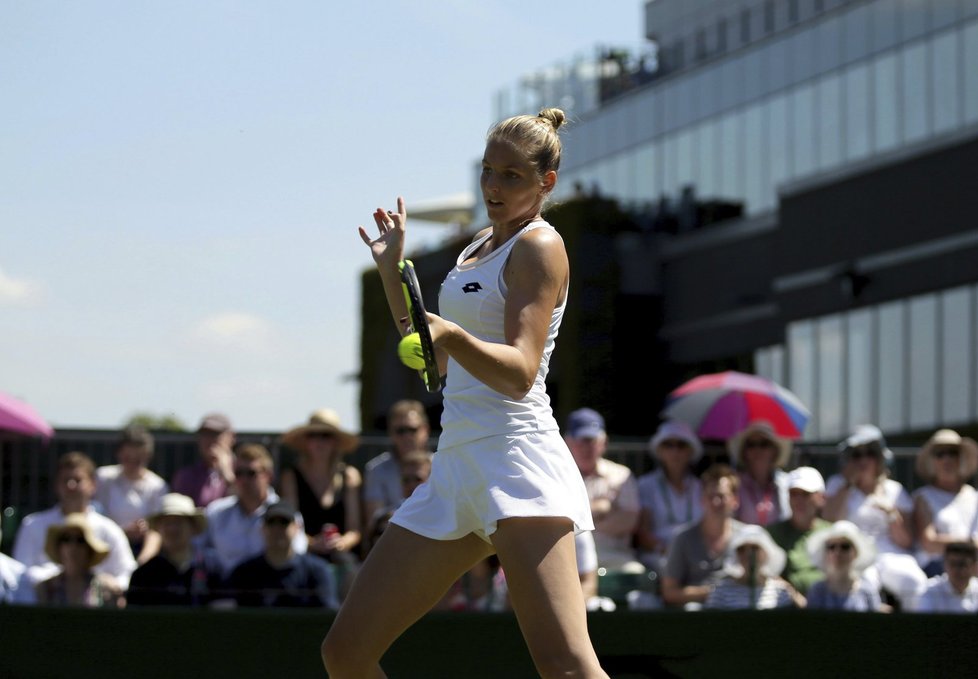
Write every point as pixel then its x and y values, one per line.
pixel 865 549
pixel 75 522
pixel 755 535
pixel 175 504
pixel 762 428
pixel 924 463
pixel 674 429
pixel 323 420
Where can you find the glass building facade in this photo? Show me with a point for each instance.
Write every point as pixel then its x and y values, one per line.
pixel 835 88
pixel 867 79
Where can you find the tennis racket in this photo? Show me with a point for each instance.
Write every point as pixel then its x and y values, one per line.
pixel 419 324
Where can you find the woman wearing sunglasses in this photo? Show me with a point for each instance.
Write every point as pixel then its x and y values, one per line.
pixel 843 553
pixel 880 507
pixel 945 509
pixel 74 546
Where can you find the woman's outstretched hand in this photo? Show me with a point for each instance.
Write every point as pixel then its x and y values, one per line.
pixel 388 248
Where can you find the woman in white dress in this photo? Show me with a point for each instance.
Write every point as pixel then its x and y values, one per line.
pixel 503 481
pixel 881 508
pixel 670 494
pixel 945 509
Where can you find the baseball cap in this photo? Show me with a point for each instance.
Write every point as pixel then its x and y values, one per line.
pixel 216 422
pixel 585 423
pixel 280 509
pixel 807 479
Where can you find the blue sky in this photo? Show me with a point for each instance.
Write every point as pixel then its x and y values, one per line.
pixel 181 182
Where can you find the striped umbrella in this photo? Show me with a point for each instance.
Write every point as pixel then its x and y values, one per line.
pixel 719 405
pixel 19 417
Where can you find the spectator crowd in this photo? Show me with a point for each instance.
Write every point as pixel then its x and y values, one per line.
pixel 742 528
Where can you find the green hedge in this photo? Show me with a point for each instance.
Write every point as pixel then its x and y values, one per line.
pixel 77 643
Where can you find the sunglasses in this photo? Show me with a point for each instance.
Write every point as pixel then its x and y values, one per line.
pixel 865 452
pixel 401 431
pixel 72 540
pixel 675 443
pixel 758 443
pixel 321 435
pixel 280 521
pixel 947 451
pixel 747 548
pixel 838 546
pixel 958 563
pixel 245 473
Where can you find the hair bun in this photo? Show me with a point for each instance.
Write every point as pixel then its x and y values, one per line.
pixel 554 116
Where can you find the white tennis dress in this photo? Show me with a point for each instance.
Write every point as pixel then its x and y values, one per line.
pixel 496 457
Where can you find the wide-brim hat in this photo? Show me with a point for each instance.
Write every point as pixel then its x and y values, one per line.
pixel 323 420
pixel 73 522
pixel 865 548
pixel 755 535
pixel 924 464
pixel 763 428
pixel 674 429
pixel 175 504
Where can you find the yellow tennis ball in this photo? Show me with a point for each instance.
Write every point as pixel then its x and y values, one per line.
pixel 409 351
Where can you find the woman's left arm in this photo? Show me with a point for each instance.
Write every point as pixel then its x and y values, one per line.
pixel 352 531
pixel 536 277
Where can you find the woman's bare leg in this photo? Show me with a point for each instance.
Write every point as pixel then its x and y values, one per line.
pixel 403 577
pixel 538 558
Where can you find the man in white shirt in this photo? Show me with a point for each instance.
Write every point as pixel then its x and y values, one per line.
pixel 234 523
pixel 75 489
pixel 956 590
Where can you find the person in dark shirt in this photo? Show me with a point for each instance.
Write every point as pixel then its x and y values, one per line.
pixel 278 576
pixel 181 574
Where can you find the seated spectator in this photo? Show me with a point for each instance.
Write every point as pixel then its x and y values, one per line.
pixel 669 495
pixel 945 509
pixel 759 453
pixel 15 586
pixel 74 546
pixel 234 523
pixel 481 588
pixel 751 579
pixel 415 467
pixel 842 552
pixel 326 489
pixel 212 475
pixel 955 590
pixel 75 487
pixel 408 430
pixel 880 507
pixel 180 575
pixel 695 559
pixel 612 489
pixel 806 496
pixel 129 491
pixel 278 576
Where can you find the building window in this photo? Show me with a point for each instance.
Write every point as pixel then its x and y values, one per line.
pixel 956 355
pixel 802 363
pixel 945 79
pixel 923 325
pixel 831 389
pixel 860 367
pixel 892 365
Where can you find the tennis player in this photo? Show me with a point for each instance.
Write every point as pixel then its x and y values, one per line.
pixel 503 480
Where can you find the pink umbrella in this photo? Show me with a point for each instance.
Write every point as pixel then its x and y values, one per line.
pixel 720 405
pixel 19 417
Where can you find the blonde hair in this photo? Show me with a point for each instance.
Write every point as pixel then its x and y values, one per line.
pixel 535 135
